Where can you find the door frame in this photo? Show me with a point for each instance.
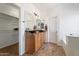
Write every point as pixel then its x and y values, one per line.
pixel 56 29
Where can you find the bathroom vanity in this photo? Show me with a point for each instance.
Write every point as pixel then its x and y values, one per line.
pixel 34 40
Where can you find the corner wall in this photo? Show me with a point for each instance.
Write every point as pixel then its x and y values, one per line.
pixel 69 23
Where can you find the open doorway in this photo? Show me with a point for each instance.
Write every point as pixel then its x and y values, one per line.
pixel 9 29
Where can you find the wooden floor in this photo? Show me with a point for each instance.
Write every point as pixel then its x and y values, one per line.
pixel 12 50
pixel 49 49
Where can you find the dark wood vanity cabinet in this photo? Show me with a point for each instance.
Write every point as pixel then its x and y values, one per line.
pixel 34 41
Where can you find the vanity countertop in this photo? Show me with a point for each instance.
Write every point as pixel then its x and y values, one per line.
pixel 72 35
pixel 34 31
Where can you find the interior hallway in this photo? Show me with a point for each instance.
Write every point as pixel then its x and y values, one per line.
pixel 50 49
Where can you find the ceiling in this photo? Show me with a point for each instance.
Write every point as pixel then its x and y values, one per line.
pixel 45 9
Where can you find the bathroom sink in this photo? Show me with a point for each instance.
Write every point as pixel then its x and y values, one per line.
pixel 32 31
pixel 41 30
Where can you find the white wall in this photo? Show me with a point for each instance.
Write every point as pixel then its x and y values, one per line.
pixel 9 9
pixel 30 18
pixel 8 23
pixel 7 35
pixel 69 23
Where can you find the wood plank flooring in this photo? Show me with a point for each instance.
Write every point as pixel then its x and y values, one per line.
pixel 12 50
pixel 50 49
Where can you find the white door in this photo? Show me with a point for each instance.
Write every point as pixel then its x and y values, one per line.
pixel 52 30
